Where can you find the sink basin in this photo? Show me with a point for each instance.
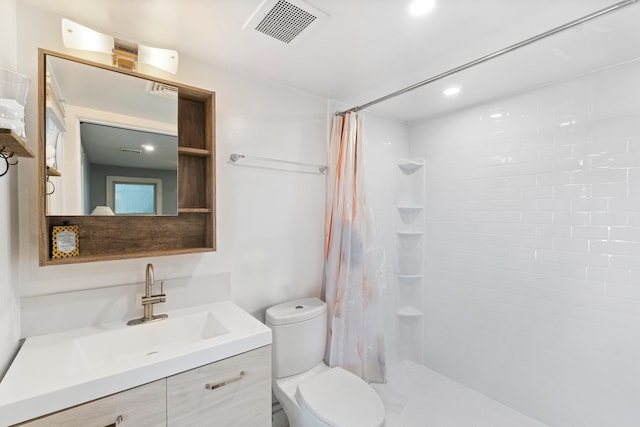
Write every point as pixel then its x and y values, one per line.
pixel 126 342
pixel 56 371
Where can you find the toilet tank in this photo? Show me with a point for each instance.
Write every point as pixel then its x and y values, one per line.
pixel 299 330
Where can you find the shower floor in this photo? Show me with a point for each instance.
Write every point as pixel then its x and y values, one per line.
pixel 416 396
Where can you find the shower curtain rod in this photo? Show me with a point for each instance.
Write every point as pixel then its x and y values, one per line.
pixel 493 55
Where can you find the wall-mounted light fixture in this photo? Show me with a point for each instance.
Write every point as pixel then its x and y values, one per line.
pixel 125 54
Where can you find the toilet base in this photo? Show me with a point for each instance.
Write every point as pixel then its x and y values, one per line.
pixel 285 391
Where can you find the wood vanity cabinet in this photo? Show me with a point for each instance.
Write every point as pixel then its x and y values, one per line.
pixel 140 406
pixel 233 392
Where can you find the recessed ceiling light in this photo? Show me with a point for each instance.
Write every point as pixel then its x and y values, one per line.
pixel 496 115
pixel 453 90
pixel 148 147
pixel 421 7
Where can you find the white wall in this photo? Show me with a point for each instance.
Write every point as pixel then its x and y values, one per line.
pixel 9 304
pixel 270 221
pixel 387 141
pixel 533 249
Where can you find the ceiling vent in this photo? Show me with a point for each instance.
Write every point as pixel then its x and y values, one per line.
pixel 285 20
pixel 160 89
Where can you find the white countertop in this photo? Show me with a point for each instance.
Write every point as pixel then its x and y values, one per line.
pixel 57 371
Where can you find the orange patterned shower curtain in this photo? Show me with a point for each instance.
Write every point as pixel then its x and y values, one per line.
pixel 354 264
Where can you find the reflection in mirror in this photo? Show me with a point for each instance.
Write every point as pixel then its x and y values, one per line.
pixel 145 164
pixel 111 142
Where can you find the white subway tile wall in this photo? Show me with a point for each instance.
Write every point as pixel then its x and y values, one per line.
pixel 532 291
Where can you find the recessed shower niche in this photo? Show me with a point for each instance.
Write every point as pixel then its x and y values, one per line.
pixel 410 259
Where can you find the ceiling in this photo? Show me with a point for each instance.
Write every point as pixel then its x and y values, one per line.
pixel 123 147
pixel 366 49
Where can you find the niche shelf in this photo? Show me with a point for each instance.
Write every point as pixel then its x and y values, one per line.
pixel 193 230
pixel 409 278
pixel 409 167
pixel 409 214
pixel 11 142
pixel 410 209
pixel 409 313
pixel 410 234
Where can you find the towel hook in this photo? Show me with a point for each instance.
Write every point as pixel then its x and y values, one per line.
pixel 6 158
pixel 53 187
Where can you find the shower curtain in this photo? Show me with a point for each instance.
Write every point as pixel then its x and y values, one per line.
pixel 354 279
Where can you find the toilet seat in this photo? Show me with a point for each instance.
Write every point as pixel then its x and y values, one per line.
pixel 341 399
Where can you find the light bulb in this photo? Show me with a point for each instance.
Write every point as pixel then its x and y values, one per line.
pixel 421 7
pixel 453 90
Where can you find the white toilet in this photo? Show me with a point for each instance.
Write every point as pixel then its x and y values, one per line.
pixel 311 393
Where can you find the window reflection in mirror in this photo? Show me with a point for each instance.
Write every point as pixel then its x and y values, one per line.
pixel 134 196
pixel 101 123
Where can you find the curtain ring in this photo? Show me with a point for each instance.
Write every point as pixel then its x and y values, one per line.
pixel 53 187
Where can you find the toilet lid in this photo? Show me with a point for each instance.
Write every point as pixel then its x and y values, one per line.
pixel 341 399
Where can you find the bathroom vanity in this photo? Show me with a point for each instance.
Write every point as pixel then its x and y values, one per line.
pixel 204 363
pixel 234 397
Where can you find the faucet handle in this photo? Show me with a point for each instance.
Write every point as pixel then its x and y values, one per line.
pixel 162 296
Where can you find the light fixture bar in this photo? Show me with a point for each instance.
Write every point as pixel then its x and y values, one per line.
pixel 125 54
pixel 164 59
pixel 76 36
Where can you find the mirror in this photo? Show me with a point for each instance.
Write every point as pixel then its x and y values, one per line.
pixel 111 142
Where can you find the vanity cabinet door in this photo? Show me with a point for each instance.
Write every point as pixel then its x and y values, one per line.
pixel 234 392
pixel 143 406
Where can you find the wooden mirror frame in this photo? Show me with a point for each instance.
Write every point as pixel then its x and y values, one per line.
pixel 103 238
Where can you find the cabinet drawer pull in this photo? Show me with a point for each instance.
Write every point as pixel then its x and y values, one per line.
pixel 119 421
pixel 212 386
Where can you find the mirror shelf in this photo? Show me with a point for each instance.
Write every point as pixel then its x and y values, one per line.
pixel 51 171
pixel 105 238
